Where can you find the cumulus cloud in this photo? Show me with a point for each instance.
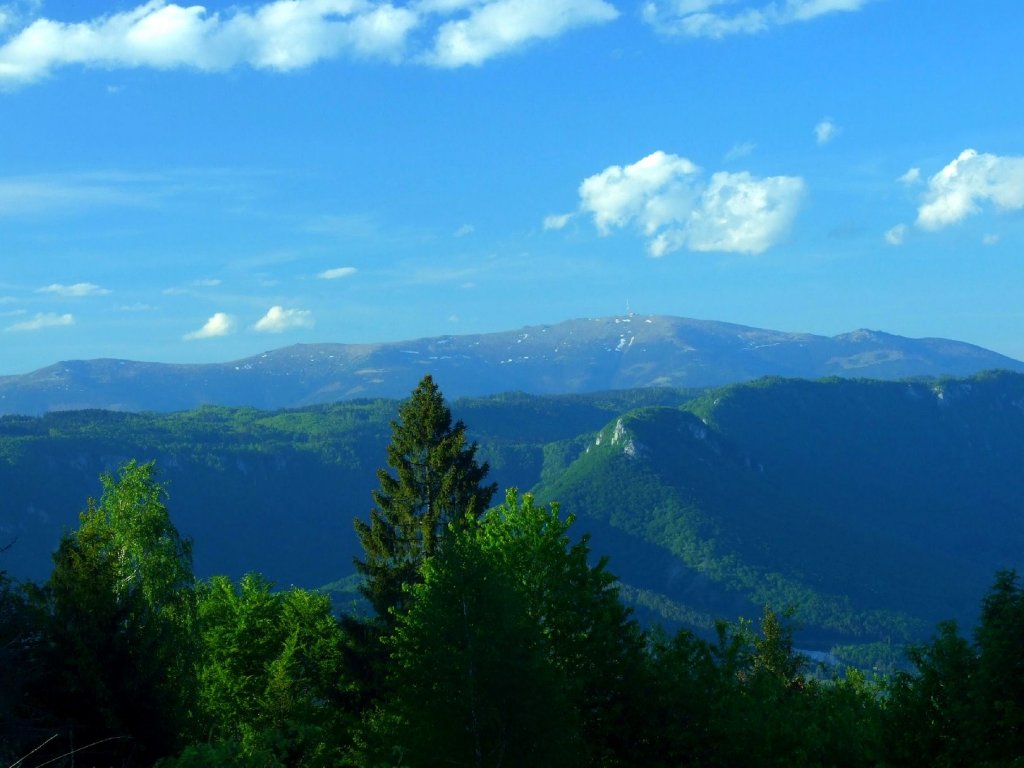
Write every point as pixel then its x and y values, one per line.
pixel 281 35
pixel 665 197
pixel 711 18
pixel 279 319
pixel 896 235
pixel 494 28
pixel 825 131
pixel 219 324
pixel 959 189
pixel 285 35
pixel 75 290
pixel 42 320
pixel 990 239
pixel 465 229
pixel 652 191
pixel 337 273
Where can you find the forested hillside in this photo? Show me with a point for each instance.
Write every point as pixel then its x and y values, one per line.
pixel 274 491
pixel 875 509
pixel 492 635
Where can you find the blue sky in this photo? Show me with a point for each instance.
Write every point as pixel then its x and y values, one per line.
pixel 201 183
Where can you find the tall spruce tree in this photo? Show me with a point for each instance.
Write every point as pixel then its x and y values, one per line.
pixel 436 480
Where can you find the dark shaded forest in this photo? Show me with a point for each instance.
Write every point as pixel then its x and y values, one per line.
pixel 491 636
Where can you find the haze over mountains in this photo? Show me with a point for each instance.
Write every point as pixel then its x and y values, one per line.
pixel 574 356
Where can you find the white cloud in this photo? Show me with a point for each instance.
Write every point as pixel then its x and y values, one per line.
pixel 825 131
pixel 75 290
pixel 556 221
pixel 664 196
pixel 279 319
pixel 337 272
pixel 191 288
pixel 958 190
pixel 497 27
pixel 990 239
pixel 465 229
pixel 653 191
pixel 912 176
pixel 738 151
pixel 219 324
pixel 286 35
pixel 896 235
pixel 281 35
pixel 701 18
pixel 138 306
pixel 42 320
pixel 740 213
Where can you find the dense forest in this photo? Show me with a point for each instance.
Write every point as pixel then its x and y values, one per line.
pixel 491 635
pixel 874 509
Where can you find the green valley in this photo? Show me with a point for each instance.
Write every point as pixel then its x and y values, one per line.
pixel 875 509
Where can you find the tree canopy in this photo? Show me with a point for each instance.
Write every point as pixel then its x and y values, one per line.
pixel 436 481
pixel 501 641
pixel 119 615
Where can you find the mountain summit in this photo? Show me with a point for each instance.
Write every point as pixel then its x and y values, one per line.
pixel 574 356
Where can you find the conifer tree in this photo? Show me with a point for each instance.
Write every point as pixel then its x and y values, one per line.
pixel 436 480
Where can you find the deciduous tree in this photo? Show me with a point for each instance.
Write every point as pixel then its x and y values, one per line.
pixel 269 676
pixel 471 679
pixel 119 611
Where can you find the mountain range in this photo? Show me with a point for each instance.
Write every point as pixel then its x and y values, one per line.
pixel 575 356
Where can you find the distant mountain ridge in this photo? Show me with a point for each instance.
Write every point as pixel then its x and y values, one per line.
pixel 574 356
